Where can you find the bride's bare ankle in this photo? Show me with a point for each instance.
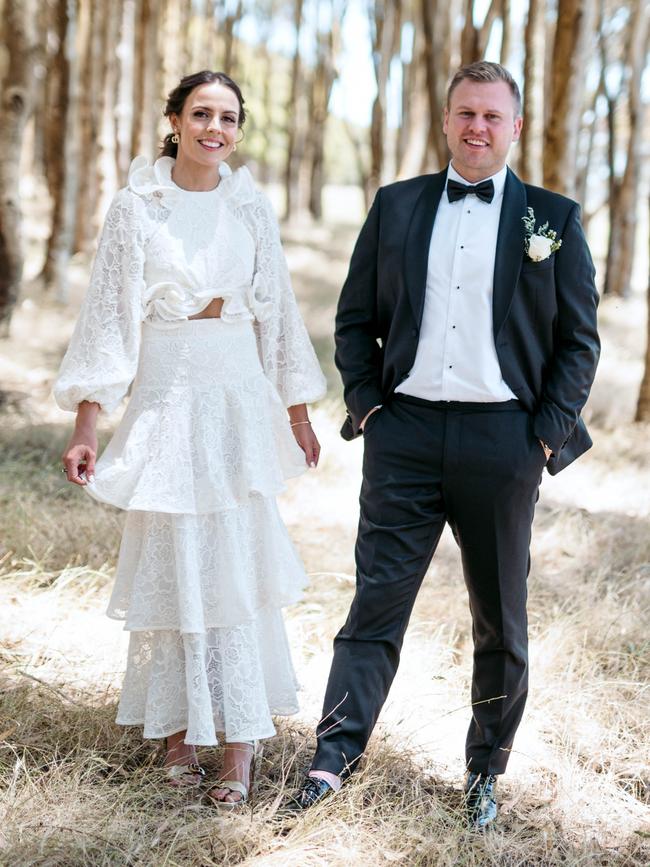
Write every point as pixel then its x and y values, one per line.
pixel 177 751
pixel 236 765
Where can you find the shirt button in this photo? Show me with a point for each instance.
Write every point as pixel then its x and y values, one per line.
pixel 450 366
pixel 462 246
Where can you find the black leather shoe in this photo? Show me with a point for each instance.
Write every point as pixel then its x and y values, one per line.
pixel 480 801
pixel 312 791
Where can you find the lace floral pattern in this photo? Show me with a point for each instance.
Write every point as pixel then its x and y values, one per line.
pixel 195 572
pixel 103 354
pixel 163 255
pixel 204 427
pixel 227 680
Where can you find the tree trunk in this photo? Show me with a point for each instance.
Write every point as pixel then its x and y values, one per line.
pixel 106 166
pixel 145 96
pixel 624 213
pixel 416 121
pixel 17 99
pixel 64 144
pixel 265 120
pixel 90 29
pixel 209 36
pixel 643 405
pixel 383 24
pixel 327 46
pixel 361 162
pixel 590 132
pixel 294 134
pixel 474 40
pixel 532 137
pixel 506 33
pixel 229 54
pixel 571 49
pixel 46 89
pixel 194 13
pixel 124 92
pixel 436 26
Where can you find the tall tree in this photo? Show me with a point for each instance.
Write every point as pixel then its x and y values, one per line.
pixel 436 19
pixel 295 135
pixel 145 91
pixel 643 405
pixel 45 92
pixel 328 33
pixel 89 49
pixel 506 32
pixel 531 166
pixel 124 91
pixel 63 142
pixel 571 52
pixel 413 133
pixel 620 252
pixel 232 17
pixel 474 39
pixel 209 36
pixel 385 32
pixel 108 69
pixel 19 37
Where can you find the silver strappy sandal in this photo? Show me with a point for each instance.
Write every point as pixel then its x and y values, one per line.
pixel 236 785
pixel 184 776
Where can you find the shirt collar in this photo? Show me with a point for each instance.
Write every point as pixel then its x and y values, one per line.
pixel 499 180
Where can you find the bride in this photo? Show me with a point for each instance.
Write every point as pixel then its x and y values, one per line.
pixel 190 304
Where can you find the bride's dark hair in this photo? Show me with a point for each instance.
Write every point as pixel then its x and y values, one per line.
pixel 176 100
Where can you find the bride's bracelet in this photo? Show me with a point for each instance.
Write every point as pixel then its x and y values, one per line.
pixel 296 423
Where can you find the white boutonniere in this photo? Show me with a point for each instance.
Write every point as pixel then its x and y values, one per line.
pixel 539 243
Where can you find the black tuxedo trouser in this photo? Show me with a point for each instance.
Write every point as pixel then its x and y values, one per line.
pixel 478 468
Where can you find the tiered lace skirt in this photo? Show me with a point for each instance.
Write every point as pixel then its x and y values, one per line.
pixel 205 563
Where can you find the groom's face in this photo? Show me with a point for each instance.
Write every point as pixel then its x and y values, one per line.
pixel 480 124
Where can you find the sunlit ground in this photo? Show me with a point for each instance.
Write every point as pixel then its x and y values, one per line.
pixel 78 790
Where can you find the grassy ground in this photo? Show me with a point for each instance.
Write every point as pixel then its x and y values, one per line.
pixel 78 790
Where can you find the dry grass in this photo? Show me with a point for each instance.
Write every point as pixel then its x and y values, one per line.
pixel 78 790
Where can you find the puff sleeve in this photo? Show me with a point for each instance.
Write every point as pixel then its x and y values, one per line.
pixel 286 352
pixel 102 357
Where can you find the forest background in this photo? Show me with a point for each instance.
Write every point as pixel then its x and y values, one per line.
pixel 343 96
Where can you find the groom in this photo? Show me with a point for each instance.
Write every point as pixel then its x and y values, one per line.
pixel 466 340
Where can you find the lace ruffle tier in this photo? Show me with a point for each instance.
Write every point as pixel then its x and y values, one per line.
pixel 204 427
pixel 191 573
pixel 227 680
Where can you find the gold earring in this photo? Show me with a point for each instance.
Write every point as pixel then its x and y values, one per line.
pixel 176 138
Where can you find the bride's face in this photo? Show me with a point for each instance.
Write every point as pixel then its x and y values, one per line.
pixel 207 125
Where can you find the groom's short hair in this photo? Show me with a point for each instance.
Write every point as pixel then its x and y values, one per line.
pixel 484 71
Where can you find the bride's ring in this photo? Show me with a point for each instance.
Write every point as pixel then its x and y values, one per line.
pixel 64 469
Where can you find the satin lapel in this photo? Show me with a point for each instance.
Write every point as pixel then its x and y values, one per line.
pixel 510 249
pixel 418 239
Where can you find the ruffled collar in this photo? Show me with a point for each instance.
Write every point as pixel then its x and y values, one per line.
pixel 146 180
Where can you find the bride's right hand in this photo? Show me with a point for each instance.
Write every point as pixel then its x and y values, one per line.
pixel 81 452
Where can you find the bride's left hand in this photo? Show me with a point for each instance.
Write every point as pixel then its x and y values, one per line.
pixel 308 442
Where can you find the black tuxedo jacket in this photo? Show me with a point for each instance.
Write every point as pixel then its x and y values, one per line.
pixel 544 313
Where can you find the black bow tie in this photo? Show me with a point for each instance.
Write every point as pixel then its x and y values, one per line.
pixel 484 190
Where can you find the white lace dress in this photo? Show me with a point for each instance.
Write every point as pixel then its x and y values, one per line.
pixel 203 448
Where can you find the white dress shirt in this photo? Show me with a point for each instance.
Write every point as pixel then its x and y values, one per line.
pixel 456 357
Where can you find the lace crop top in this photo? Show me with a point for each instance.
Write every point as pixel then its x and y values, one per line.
pixel 163 255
